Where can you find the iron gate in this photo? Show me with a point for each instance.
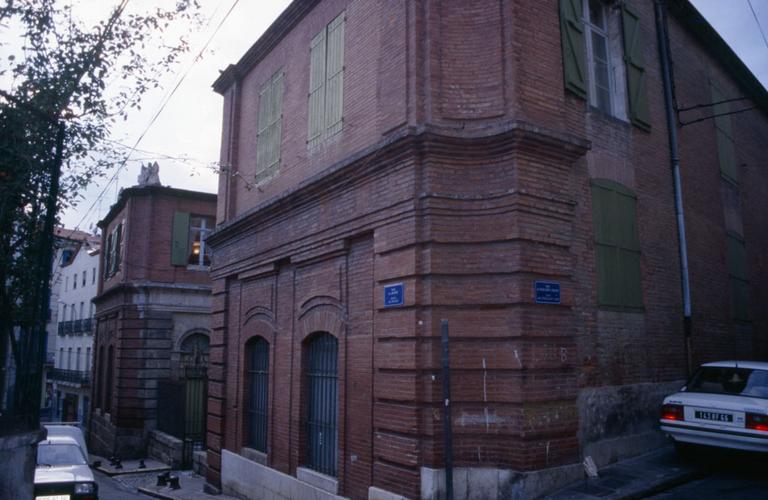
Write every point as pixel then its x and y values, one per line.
pixel 322 405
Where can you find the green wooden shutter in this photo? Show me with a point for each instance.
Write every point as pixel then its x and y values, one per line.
pixel 180 239
pixel 317 49
pixel 619 283
pixel 724 134
pixel 574 47
pixel 261 145
pixel 635 62
pixel 334 92
pixel 737 271
pixel 275 119
pixel 116 244
pixel 108 256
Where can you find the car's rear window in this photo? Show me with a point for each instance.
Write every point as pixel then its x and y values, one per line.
pixel 733 381
pixel 59 454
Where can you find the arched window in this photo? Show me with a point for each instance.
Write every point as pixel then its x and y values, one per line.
pixel 194 354
pixel 257 366
pixel 322 403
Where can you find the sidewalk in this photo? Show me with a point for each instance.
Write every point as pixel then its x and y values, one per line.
pixel 145 480
pixel 637 477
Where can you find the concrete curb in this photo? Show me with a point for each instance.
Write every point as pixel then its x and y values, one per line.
pixel 662 486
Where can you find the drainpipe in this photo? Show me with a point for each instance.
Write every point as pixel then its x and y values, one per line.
pixel 666 72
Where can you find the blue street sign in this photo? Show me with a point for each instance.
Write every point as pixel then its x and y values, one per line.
pixel 547 292
pixel 394 295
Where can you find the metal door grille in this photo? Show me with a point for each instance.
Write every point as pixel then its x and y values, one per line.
pixel 322 407
pixel 258 379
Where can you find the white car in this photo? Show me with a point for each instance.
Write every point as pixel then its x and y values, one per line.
pixel 62 471
pixel 725 404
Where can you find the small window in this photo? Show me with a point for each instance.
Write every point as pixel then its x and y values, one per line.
pixel 84 277
pixel 604 59
pixel 322 404
pixel 66 283
pixel 113 255
pixel 257 353
pixel 199 251
pixel 74 282
pixel 93 277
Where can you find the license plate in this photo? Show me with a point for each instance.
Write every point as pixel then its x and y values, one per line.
pixel 52 497
pixel 713 416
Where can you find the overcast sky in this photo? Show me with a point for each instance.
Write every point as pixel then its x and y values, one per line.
pixel 190 125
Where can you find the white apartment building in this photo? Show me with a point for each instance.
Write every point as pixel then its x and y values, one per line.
pixel 70 336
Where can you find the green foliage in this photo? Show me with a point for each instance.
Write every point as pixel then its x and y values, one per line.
pixel 60 70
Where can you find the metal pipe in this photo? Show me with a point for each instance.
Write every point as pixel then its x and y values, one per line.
pixel 666 73
pixel 447 423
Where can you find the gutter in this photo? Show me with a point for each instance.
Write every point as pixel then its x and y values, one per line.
pixel 669 108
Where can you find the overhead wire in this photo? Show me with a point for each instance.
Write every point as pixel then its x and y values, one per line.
pixel 164 103
pixel 759 26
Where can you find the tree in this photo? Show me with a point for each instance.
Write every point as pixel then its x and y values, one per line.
pixel 63 88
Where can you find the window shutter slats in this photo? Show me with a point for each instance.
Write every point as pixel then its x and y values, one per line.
pixel 635 62
pixel 180 240
pixel 726 152
pixel 574 47
pixel 117 243
pixel 317 50
pixel 614 213
pixel 335 76
pixel 270 123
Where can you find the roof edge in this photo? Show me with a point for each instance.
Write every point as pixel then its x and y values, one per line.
pixel 692 20
pixel 292 14
pixel 150 189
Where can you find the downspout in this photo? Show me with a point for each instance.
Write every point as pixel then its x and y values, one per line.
pixel 666 73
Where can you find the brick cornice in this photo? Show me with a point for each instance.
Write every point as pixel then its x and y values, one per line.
pixel 452 142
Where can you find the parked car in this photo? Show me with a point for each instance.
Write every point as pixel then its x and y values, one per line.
pixel 62 471
pixel 724 404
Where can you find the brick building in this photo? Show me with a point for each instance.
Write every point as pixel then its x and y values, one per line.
pixel 153 323
pixel 387 165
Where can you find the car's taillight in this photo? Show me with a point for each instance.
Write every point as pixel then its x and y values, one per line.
pixel 757 422
pixel 672 412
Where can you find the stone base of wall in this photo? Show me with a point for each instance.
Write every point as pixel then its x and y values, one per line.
pixel 497 484
pixel 165 448
pixel 106 439
pixel 18 455
pixel 245 478
pixel 200 463
pixel 618 422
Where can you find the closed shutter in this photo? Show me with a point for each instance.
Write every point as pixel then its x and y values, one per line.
pixel 574 47
pixel 617 244
pixel 724 133
pixel 635 62
pixel 180 239
pixel 108 256
pixel 261 145
pixel 316 119
pixel 334 92
pixel 117 241
pixel 270 123
pixel 737 271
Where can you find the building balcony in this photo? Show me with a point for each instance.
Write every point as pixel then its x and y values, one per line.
pixel 71 376
pixel 77 326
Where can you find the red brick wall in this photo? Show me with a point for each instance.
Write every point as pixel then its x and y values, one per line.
pixel 487 191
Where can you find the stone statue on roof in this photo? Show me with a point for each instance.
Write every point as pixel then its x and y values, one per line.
pixel 150 174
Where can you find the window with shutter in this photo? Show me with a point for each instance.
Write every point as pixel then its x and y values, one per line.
pixel 270 125
pixel 326 82
pixel 180 240
pixel 573 45
pixel 617 246
pixel 737 273
pixel 635 61
pixel 726 151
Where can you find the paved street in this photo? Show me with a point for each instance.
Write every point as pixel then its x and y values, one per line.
pixel 109 489
pixel 727 475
